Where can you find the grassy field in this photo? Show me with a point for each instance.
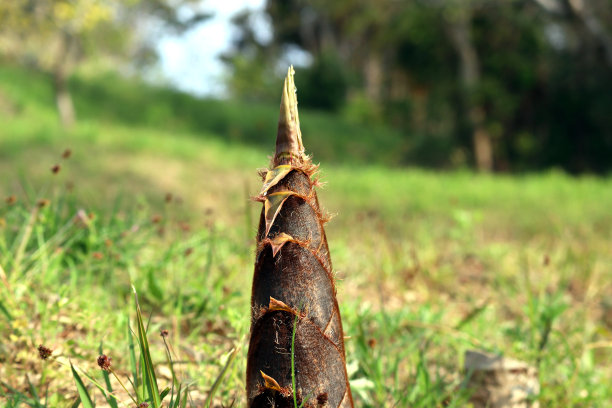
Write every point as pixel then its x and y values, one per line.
pixel 429 264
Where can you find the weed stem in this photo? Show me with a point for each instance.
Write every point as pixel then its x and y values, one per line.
pixel 123 386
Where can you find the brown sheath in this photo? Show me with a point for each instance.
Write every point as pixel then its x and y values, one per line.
pixel 293 286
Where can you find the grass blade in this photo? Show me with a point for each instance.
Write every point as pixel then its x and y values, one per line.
pixel 164 392
pixel 228 363
pixel 175 403
pixel 98 385
pixel 76 403
pixel 294 392
pixel 148 369
pixel 83 393
pixel 25 238
pixel 5 312
pixel 33 392
pixel 175 381
pixel 185 398
pixel 133 363
pixel 17 395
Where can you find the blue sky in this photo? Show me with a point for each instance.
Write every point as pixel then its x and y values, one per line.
pixel 190 62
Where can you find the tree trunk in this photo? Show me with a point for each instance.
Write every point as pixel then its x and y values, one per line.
pixel 373 73
pixel 483 146
pixel 63 99
pixel 588 17
pixel 61 72
pixel 585 13
pixel 469 75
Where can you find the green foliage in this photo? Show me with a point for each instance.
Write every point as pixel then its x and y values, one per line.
pixel 147 367
pixel 249 78
pixel 33 32
pixel 117 100
pixel 215 387
pixel 329 74
pixel 83 393
pixel 538 74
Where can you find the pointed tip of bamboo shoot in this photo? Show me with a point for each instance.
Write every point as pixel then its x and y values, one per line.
pixel 289 137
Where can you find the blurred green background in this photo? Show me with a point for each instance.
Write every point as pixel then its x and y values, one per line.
pixel 466 148
pixel 507 86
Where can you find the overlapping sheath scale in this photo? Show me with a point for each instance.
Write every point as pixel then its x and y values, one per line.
pixel 294 308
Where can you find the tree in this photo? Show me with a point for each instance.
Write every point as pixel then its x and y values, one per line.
pixel 458 18
pixel 45 33
pixel 590 14
pixel 507 85
pixel 56 36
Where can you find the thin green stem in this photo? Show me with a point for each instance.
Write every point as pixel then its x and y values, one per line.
pixel 293 361
pixel 94 382
pixel 123 386
pixel 27 232
pixel 217 383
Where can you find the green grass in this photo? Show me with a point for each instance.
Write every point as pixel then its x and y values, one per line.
pixel 110 99
pixel 429 264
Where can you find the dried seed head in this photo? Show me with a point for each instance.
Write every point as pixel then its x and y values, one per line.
pixel 66 153
pixel 163 333
pixel 156 218
pixel 143 405
pixel 44 352
pixel 55 169
pixel 104 362
pixel 81 219
pixel 43 202
pixel 10 200
pixel 168 197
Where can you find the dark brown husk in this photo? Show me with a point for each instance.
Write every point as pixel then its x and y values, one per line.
pixel 293 285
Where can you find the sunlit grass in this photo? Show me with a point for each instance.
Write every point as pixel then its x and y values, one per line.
pixel 429 266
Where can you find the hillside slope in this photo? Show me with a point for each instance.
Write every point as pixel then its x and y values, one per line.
pixel 429 264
